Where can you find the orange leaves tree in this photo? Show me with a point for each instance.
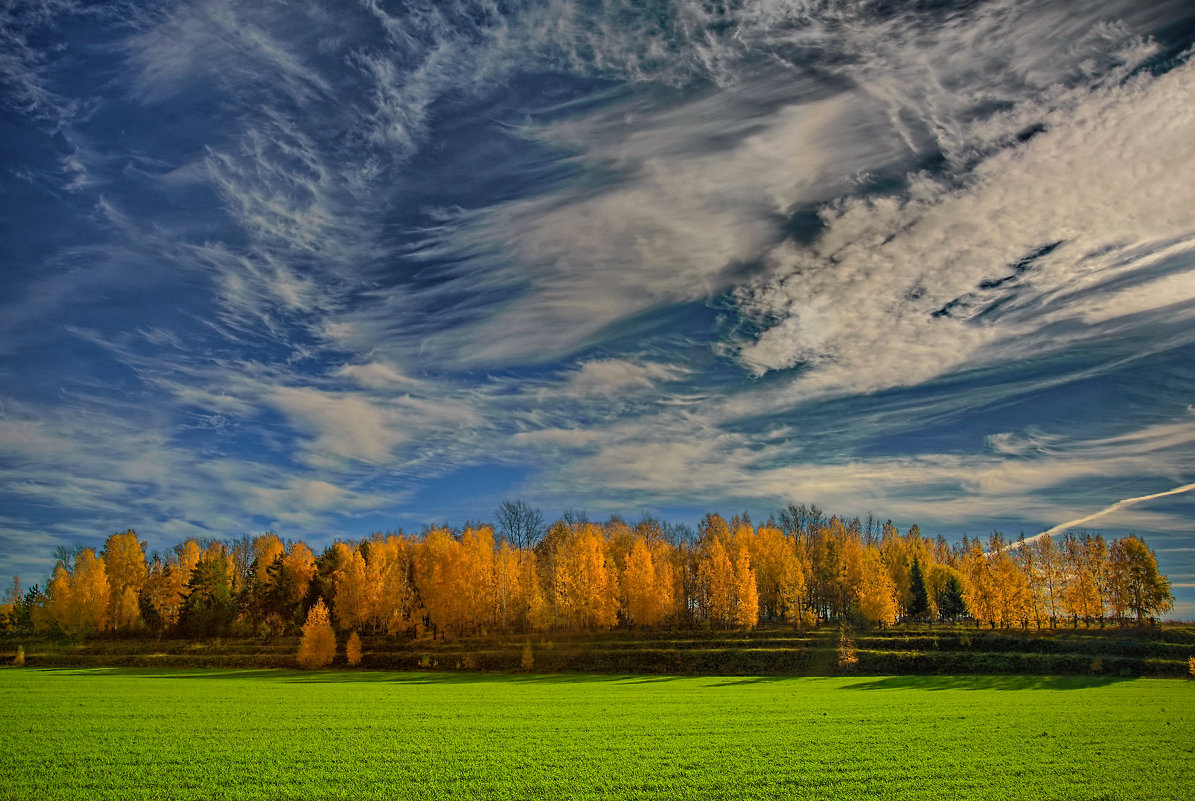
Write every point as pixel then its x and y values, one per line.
pixel 583 576
pixel 640 591
pixel 586 581
pixel 1135 584
pixel 441 577
pixel 124 561
pixel 318 646
pixel 78 600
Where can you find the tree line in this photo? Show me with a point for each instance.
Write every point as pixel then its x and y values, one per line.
pixel 800 568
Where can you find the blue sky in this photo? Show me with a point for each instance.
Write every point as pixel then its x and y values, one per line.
pixel 329 268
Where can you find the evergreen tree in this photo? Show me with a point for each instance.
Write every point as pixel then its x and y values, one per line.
pixel 919 605
pixel 209 608
pixel 951 603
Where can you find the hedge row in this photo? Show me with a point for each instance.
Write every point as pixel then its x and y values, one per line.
pixel 776 652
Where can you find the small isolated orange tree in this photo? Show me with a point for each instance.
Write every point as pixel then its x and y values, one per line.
pixel 319 641
pixel 352 650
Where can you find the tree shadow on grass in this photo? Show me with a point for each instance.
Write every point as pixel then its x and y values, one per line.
pixel 732 682
pixel 351 676
pixel 404 677
pixel 985 682
pixel 341 676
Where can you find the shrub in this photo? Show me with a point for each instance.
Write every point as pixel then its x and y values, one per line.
pixel 352 650
pixel 1190 665
pixel 528 661
pixel 19 659
pixel 848 657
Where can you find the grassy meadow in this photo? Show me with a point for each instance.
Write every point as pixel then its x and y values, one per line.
pixel 133 733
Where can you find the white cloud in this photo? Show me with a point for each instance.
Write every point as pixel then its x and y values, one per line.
pixel 344 426
pixel 610 378
pixel 232 43
pixel 857 306
pixel 697 190
pixel 379 375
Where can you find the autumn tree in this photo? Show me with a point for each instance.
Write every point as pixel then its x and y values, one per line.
pixel 353 598
pixel 870 593
pixel 266 550
pixel 518 601
pixel 982 596
pixel 440 577
pixel 1085 562
pixel 1135 585
pixel 167 584
pixel 745 612
pixel 1026 557
pixel 715 579
pixel 586 581
pixel 318 646
pixel 389 570
pixel 124 562
pixel 1051 577
pixel 477 551
pixel 896 557
pixel 289 578
pixel 78 601
pixel 639 587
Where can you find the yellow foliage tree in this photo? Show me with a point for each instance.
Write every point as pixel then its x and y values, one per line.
pixel 746 594
pixel 124 562
pixel 353 599
pixel 586 583
pixel 79 601
pixel 639 587
pixel 167 583
pixel 318 646
pixel 872 590
pixel 388 574
pixel 298 565
pixel 442 581
pixel 1136 586
pixel 715 580
pixel 477 553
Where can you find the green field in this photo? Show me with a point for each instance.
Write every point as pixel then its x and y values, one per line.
pixel 146 733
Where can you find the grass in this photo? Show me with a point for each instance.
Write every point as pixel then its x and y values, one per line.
pixel 190 733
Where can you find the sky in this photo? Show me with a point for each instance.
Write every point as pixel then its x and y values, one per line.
pixel 328 268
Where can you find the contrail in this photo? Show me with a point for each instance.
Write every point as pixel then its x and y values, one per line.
pixel 1108 510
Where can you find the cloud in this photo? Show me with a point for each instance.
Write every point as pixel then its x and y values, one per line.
pixel 691 194
pixel 610 378
pixel 344 426
pixel 230 43
pixel 379 375
pixel 1033 253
